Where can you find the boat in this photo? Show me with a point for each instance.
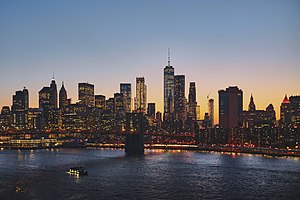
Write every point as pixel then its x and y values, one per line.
pixel 78 171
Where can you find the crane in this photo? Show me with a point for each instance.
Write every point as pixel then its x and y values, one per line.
pixel 208 95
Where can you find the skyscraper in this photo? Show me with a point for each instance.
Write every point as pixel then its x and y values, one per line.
pixel 125 89
pixel 179 97
pixel 192 115
pixel 26 98
pixel 251 106
pixel 119 103
pixel 295 110
pixel 141 95
pixel 100 102
pixel 20 109
pixel 44 97
pixel 168 87
pixel 211 111
pixel 285 117
pixel 151 110
pixel 53 93
pixel 230 107
pixel 63 98
pixel 86 94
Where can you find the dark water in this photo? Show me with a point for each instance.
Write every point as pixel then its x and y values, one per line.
pixel 41 174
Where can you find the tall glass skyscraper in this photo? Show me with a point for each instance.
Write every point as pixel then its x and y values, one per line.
pixel 141 95
pixel 168 88
pixel 63 98
pixel 230 107
pixel 86 94
pixel 179 98
pixel 192 101
pixel 53 93
pixel 125 89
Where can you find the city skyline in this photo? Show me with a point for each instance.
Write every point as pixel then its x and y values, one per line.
pixel 253 45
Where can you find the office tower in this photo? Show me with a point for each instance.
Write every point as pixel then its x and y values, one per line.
pixel 141 95
pixel 290 111
pixel 253 118
pixel 179 97
pixel 63 98
pixel 53 93
pixel 285 117
pixel 44 97
pixel 119 110
pixel 151 110
pixel 119 103
pixel 20 108
pixel 125 89
pixel 211 111
pixel 86 94
pixel 110 105
pixel 168 87
pixel 295 110
pixel 251 106
pixel 35 118
pixel 5 118
pixel 192 115
pixel 230 107
pixel 100 102
pixel 26 98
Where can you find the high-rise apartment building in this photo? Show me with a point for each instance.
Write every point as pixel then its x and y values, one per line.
pixel 141 95
pixel 230 107
pixel 86 94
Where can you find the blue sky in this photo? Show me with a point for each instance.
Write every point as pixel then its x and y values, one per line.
pixel 252 44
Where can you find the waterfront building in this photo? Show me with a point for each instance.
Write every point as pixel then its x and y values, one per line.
pixel 125 89
pixel 253 118
pixel 5 118
pixel 86 94
pixel 35 119
pixel 141 95
pixel 20 106
pixel 230 107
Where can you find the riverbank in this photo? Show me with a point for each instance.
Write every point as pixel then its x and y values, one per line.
pixel 225 149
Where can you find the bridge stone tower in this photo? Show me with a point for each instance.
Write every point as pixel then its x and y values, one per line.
pixel 135 127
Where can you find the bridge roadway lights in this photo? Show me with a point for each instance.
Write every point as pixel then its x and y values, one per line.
pixel 134 144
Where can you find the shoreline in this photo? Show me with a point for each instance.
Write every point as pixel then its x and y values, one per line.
pixel 253 151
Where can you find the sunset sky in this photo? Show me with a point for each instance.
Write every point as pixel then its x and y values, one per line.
pixel 252 44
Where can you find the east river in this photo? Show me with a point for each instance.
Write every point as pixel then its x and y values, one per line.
pixel 41 174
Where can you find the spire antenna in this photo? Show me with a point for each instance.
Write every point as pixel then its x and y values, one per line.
pixel 169 56
pixel 53 76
